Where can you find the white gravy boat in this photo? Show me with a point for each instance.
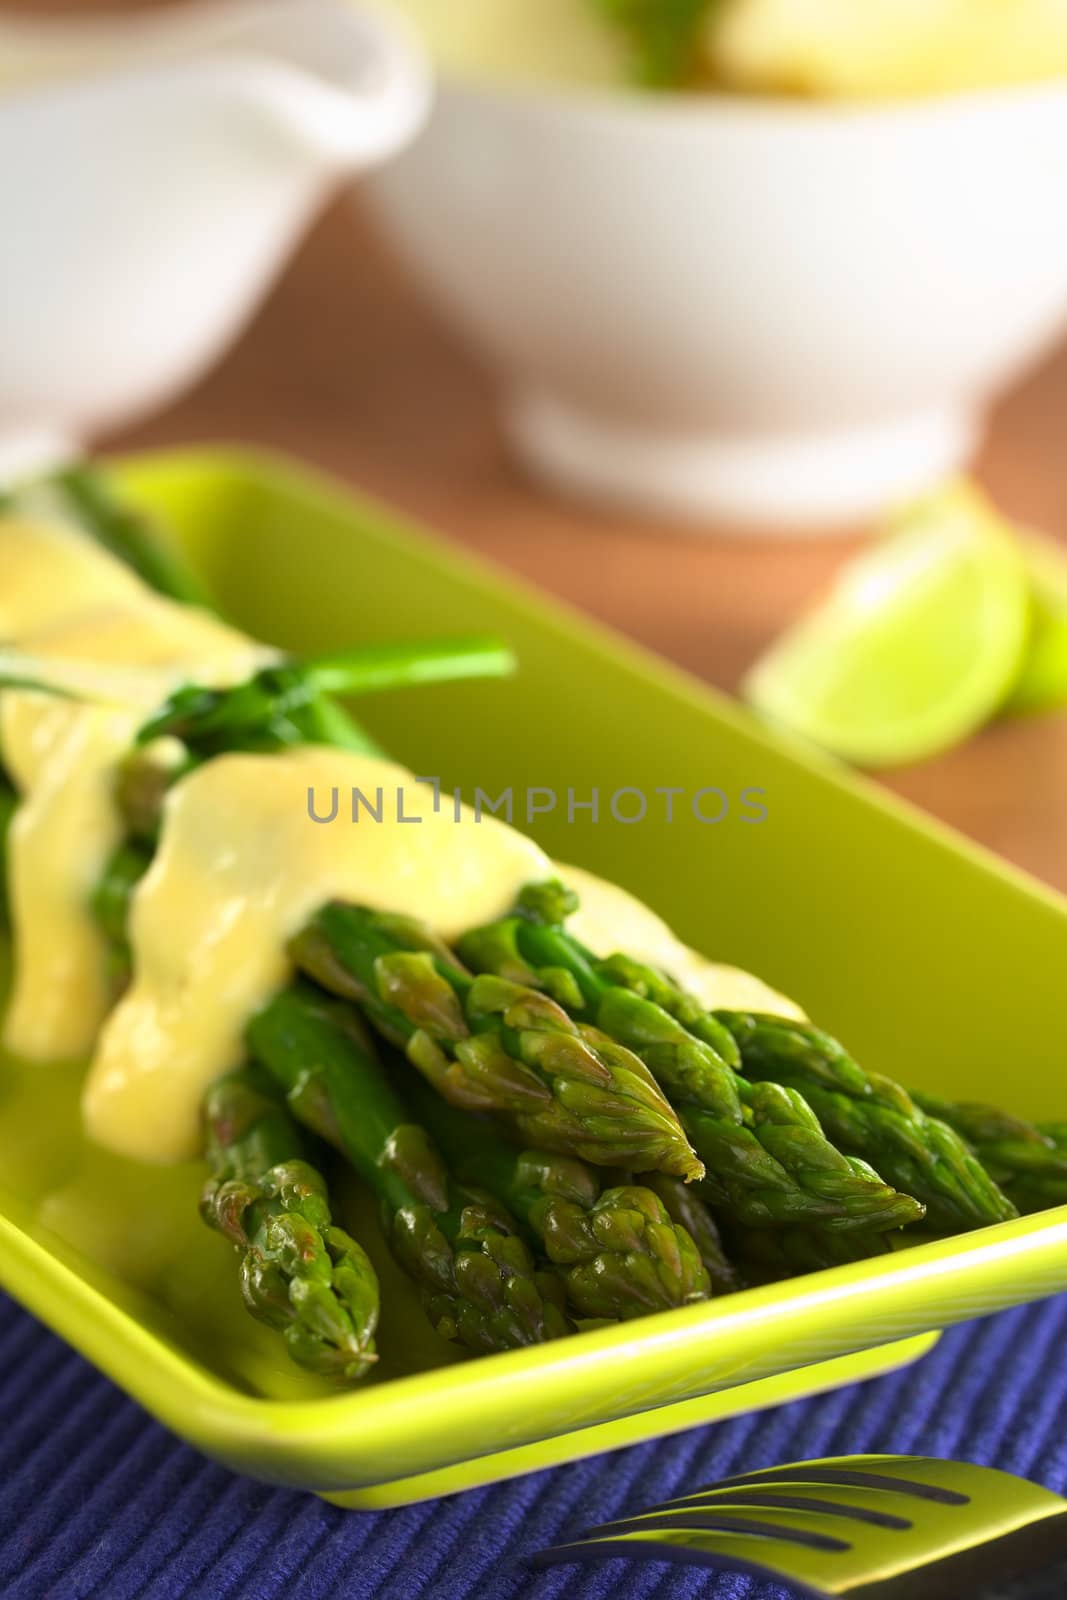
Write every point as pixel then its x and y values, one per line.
pixel 155 172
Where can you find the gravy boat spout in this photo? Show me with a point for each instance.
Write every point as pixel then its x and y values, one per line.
pixel 343 87
pixel 346 84
pixel 154 176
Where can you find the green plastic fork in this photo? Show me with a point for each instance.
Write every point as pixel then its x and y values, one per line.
pixel 871 1527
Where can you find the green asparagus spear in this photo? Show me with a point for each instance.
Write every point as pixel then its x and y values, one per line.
pixel 110 904
pixel 1038 1190
pixel 872 1117
pixel 300 1273
pixel 781 1167
pixel 290 703
pixel 489 1045
pixel 1028 1160
pixel 766 1158
pixel 87 497
pixel 616 1248
pixel 688 1210
pixel 141 784
pixel 479 1283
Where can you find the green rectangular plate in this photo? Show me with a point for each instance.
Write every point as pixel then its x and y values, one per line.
pixel 935 961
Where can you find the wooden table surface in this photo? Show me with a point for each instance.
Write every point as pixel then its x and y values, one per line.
pixel 348 370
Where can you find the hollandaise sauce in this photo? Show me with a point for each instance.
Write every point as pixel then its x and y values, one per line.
pixel 250 846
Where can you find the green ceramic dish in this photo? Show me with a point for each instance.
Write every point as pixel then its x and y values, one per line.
pixel 932 959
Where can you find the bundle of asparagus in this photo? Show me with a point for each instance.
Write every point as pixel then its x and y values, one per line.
pixel 487 1280
pixel 607 1252
pixel 576 1130
pixel 614 1252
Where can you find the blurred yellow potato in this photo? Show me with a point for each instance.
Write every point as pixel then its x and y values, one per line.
pixel 547 41
pixel 884 48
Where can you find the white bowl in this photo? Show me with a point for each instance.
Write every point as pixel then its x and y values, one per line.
pixel 154 174
pixel 764 312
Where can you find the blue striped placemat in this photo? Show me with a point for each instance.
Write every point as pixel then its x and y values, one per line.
pixel 97 1500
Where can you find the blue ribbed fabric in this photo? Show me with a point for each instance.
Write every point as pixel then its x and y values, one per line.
pixel 97 1500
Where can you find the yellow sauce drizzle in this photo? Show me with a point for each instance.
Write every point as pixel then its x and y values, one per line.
pixel 242 861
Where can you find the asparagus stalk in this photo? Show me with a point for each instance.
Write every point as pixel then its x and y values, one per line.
pixel 766 1158
pixel 873 1117
pixel 1038 1190
pixel 781 1167
pixel 479 1283
pixel 1028 1160
pixel 617 1249
pixel 486 1044
pixel 110 905
pixel 291 703
pixel 85 495
pixel 299 1273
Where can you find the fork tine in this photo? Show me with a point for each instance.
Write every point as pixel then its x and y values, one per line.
pixel 845 1472
pixel 713 1522
pixel 692 1515
pixel 661 1550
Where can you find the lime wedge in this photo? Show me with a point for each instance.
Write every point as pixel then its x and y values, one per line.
pixel 918 643
pixel 1042 681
